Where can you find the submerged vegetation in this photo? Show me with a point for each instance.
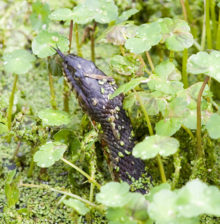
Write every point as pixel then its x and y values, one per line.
pixel 165 58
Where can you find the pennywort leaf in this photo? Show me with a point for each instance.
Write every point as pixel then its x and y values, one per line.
pixel 49 153
pixel 153 145
pixel 213 126
pixel 18 61
pixel 54 117
pixel 44 41
pixel 76 205
pixel 63 14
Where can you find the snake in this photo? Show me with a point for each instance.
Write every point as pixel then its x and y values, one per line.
pixel 93 89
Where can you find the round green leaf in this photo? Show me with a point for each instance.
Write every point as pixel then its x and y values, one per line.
pixel 153 145
pixel 203 62
pixel 147 35
pixel 126 14
pixel 18 61
pixel 166 70
pixel 61 14
pixel 76 205
pixel 127 86
pixel 102 11
pixel 168 127
pixel 54 117
pixel 44 41
pixel 176 34
pixel 213 126
pixel 114 194
pixel 49 153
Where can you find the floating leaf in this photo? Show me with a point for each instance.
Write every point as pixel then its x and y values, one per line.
pixel 54 117
pixel 176 34
pixel 76 205
pixel 102 11
pixel 49 153
pixel 39 16
pixel 114 194
pixel 126 14
pixel 153 145
pixel 147 35
pixel 61 14
pixel 127 86
pixel 44 41
pixel 125 65
pixel 203 62
pixel 213 126
pixel 18 61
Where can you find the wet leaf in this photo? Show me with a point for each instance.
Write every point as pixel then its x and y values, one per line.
pixel 213 126
pixel 147 35
pixel 127 86
pixel 54 117
pixel 176 34
pixel 3 128
pixel 39 16
pixel 153 145
pixel 18 62
pixel 114 194
pixel 44 41
pixel 76 205
pixel 205 63
pixel 49 153
pixel 63 14
pixel 102 11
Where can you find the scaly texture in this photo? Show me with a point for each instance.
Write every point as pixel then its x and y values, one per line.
pixel 93 89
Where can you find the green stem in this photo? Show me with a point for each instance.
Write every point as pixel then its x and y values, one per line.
pixel 171 56
pixel 11 102
pixel 189 132
pixel 218 32
pixel 32 163
pixel 90 179
pixel 143 65
pixel 207 23
pixel 177 165
pixel 200 152
pixel 78 47
pixel 42 186
pixel 150 61
pixel 65 96
pixel 213 17
pixel 70 35
pixel 203 33
pixel 52 91
pixel 92 168
pixel 184 10
pixel 159 160
pixel 184 68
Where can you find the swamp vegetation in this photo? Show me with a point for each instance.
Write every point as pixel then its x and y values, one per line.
pixel 165 58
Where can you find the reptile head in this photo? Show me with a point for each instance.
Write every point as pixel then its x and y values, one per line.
pixel 86 79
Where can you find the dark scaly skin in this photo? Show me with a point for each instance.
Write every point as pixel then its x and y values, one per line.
pixel 93 89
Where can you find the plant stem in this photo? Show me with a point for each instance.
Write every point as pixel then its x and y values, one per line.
pixel 218 32
pixel 171 56
pixel 78 47
pixel 177 165
pixel 203 33
pixel 43 186
pixel 52 91
pixel 70 35
pixel 11 101
pixel 159 160
pixel 92 39
pixel 207 23
pixel 32 163
pixel 143 65
pixel 150 61
pixel 200 152
pixel 184 68
pixel 188 131
pixel 213 17
pixel 122 50
pixel 90 179
pixel 183 9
